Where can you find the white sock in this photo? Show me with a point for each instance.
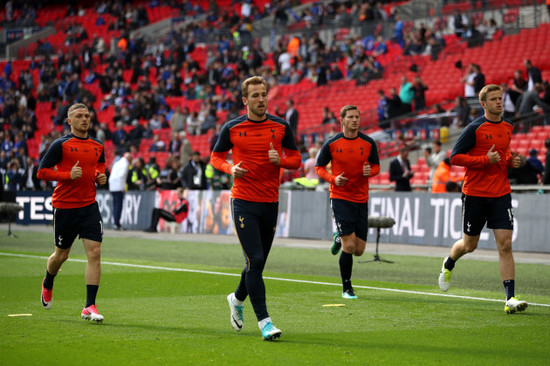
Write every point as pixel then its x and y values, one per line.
pixel 236 301
pixel 263 322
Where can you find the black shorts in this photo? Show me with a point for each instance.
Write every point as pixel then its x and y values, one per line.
pixel 85 222
pixel 495 211
pixel 350 217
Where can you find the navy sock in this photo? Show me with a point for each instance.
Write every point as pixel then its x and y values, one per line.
pixel 346 265
pixel 48 281
pixel 450 263
pixel 91 292
pixel 509 288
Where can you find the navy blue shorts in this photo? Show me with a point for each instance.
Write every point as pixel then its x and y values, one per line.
pixel 496 212
pixel 84 221
pixel 350 217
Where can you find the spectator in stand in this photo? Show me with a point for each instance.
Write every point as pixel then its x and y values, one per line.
pixel 174 146
pixel 534 75
pixel 406 94
pixel 193 175
pixel 461 112
pixel 400 171
pixel 291 115
pixel 479 79
pixel 394 104
pixel 397 36
pixel 469 83
pixel 157 145
pixel 194 123
pixel 178 119
pixel 518 88
pixel 309 165
pixel 458 23
pixel 508 107
pixel 185 150
pixel 382 109
pixel 434 156
pixel 169 176
pixel 335 73
pixel 546 175
pixel 381 47
pixel 328 116
pixel 120 137
pixel 536 164
pixel 419 89
pixel 530 99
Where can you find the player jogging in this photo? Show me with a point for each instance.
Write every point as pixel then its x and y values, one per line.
pixel 483 149
pixel 354 159
pixel 258 141
pixel 77 163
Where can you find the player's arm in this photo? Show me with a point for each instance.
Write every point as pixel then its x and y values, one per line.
pixel 46 168
pixel 465 143
pixel 220 151
pixel 101 177
pixel 323 159
pixel 292 159
pixel 374 160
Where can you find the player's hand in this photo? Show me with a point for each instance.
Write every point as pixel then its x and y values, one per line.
pixel 366 169
pixel 340 180
pixel 101 178
pixel 76 171
pixel 516 160
pixel 274 155
pixel 237 171
pixel 494 156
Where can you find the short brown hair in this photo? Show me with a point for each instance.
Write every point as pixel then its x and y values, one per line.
pixel 347 108
pixel 254 80
pixel 487 89
pixel 76 106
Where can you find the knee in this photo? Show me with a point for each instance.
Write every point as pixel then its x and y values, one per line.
pixel 94 255
pixel 505 246
pixel 61 257
pixel 470 247
pixel 359 251
pixel 256 264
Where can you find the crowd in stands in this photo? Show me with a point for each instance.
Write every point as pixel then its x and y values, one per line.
pixel 136 78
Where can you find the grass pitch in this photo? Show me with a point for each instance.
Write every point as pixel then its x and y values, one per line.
pixel 164 303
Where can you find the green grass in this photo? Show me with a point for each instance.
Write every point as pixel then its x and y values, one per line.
pixel 159 316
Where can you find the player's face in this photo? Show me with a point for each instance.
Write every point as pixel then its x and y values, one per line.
pixel 351 121
pixel 493 103
pixel 79 120
pixel 256 102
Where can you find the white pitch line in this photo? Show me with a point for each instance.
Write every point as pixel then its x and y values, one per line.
pixel 269 278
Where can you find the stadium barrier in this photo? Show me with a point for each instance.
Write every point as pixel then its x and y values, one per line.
pixel 421 218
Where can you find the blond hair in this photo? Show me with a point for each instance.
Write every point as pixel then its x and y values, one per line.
pixel 76 106
pixel 487 89
pixel 254 80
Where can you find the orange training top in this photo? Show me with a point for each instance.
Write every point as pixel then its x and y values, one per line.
pixel 470 151
pixel 63 154
pixel 250 142
pixel 348 156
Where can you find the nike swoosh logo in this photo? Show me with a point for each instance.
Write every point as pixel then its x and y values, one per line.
pixel 236 323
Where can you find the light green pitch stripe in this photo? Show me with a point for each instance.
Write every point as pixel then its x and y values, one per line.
pixel 269 278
